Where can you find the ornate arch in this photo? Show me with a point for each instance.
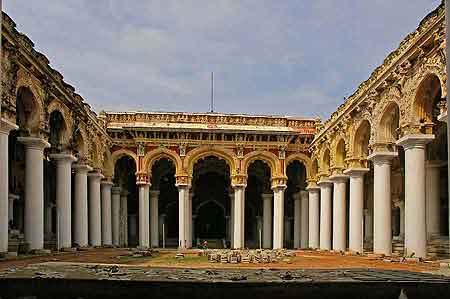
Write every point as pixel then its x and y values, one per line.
pixel 265 156
pixel 84 142
pixel 209 150
pixel 108 164
pixel 325 158
pixel 301 158
pixel 24 80
pixel 116 155
pixel 57 105
pixel 157 154
pixel 356 137
pixel 384 120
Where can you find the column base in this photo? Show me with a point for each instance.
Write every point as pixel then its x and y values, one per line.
pixel 40 251
pixel 68 249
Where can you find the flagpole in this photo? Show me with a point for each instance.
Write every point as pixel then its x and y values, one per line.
pixel 447 54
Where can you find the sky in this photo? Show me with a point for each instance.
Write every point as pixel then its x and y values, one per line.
pixel 278 57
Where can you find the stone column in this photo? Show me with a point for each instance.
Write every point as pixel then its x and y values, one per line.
pixel 339 212
pixel 304 221
pixel 11 199
pixel 297 219
pixel 80 222
pixel 48 219
pixel 433 203
pixel 325 214
pixel 34 191
pixel 106 213
pixel 183 190
pixel 63 198
pixel 287 230
pixel 231 195
pixel 124 218
pixel 227 227
pixel 259 231
pixel 314 216
pixel 115 215
pixel 278 215
pixel 415 205
pixel 143 215
pixel 188 227
pixel 382 233
pixel 194 241
pixel 5 128
pixel 95 214
pixel 133 229
pixel 239 217
pixel 267 220
pixel 356 210
pixel 154 195
pixel 402 219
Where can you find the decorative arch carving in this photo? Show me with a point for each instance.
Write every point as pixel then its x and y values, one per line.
pixel 57 105
pixel 116 155
pixel 267 157
pixel 209 150
pixel 160 153
pixel 301 158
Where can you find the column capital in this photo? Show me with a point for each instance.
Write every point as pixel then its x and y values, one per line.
pixel 336 178
pixel 415 141
pixel 80 167
pixel 63 157
pixel 183 180
pixel 154 194
pixel 312 186
pixel 266 196
pixel 239 180
pixel 116 190
pixel 324 182
pixel 304 195
pixel 183 187
pixel 34 142
pixel 6 126
pixel 279 182
pixel 95 175
pixel 435 163
pixel 356 171
pixel 382 157
pixel 106 182
pixel 142 178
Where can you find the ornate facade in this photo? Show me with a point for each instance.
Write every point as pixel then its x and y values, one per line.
pixel 172 179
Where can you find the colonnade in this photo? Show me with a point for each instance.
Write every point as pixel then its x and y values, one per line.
pixel 96 210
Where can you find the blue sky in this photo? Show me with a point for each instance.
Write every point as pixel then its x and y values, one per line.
pixel 298 58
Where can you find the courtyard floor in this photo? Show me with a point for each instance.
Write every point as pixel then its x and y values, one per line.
pixel 167 259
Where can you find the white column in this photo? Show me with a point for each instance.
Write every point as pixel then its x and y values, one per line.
pixel 133 227
pixel 48 213
pixel 325 214
pixel 182 191
pixel 80 236
pixel 415 206
pixel 402 219
pixel 287 230
pixel 382 223
pixel 339 212
pixel 123 231
pixel 188 227
pixel 267 219
pixel 314 216
pixel 297 219
pixel 5 128
pixel 231 195
pixel 143 215
pixel 154 195
pixel 115 215
pixel 433 204
pixel 239 216
pixel 95 214
pixel 34 191
pixel 278 215
pixel 356 210
pixel 304 221
pixel 106 213
pixel 63 198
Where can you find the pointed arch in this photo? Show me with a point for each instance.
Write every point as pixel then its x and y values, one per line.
pixel 304 159
pixel 267 157
pixel 161 153
pixel 116 155
pixel 204 151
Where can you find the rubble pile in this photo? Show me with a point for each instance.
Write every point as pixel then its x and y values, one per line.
pixel 257 256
